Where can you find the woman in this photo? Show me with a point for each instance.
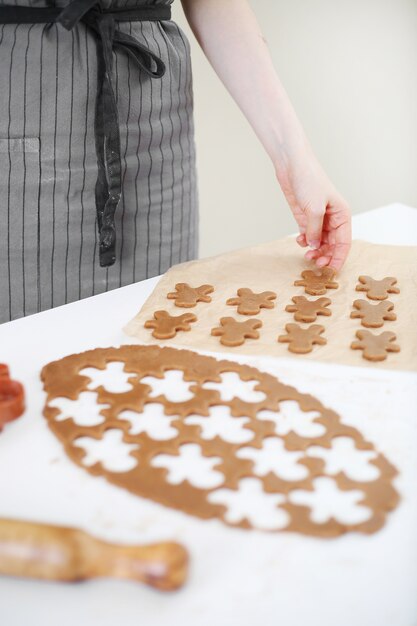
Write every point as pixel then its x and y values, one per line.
pixel 97 153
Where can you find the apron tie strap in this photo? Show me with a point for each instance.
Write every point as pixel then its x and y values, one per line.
pixel 107 135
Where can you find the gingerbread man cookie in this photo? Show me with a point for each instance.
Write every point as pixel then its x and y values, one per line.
pixel 233 333
pixel 301 340
pixel 373 315
pixel 375 347
pixel 307 310
pixel 250 303
pixel 186 296
pixel 377 289
pixel 316 282
pixel 166 326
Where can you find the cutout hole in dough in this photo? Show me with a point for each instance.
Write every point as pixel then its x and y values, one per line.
pixel 84 411
pixel 151 421
pixel 113 378
pixel 328 501
pixel 252 503
pixel 344 457
pixel 172 386
pixel 274 457
pixel 190 465
pixel 111 451
pixel 290 418
pixel 220 423
pixel 232 386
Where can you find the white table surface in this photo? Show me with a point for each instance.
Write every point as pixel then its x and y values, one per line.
pixel 236 577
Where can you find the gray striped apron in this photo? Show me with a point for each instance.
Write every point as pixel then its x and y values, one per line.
pixel 55 245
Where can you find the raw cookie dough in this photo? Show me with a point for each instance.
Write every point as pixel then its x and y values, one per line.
pixel 166 326
pixel 375 347
pixel 233 333
pixel 250 303
pixel 377 289
pixel 316 282
pixel 373 315
pixel 301 340
pixel 307 310
pixel 64 378
pixel 186 296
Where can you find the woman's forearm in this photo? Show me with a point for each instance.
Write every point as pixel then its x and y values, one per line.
pixel 230 36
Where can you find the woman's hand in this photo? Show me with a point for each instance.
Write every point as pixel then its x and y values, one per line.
pixel 322 215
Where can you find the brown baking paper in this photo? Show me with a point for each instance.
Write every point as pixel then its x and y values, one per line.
pixel 275 266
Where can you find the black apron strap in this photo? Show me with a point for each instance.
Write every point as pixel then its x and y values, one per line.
pixel 107 136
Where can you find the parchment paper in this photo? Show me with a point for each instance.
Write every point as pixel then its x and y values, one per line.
pixel 274 266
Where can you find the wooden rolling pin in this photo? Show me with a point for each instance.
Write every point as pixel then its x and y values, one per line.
pixel 68 554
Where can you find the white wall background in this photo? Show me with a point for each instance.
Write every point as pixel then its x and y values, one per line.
pixel 350 68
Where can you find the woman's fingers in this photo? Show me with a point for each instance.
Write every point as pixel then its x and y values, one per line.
pixel 341 250
pixel 310 255
pixel 341 234
pixel 324 250
pixel 314 226
pixel 301 240
pixel 327 231
pixel 322 261
pixel 335 237
pixel 322 255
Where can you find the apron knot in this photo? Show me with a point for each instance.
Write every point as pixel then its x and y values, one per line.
pixel 74 11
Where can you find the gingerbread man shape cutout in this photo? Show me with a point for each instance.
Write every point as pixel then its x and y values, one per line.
pixel 233 333
pixel 375 347
pixel 307 310
pixel 373 315
pixel 186 296
pixel 166 326
pixel 377 289
pixel 316 282
pixel 302 340
pixel 250 303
